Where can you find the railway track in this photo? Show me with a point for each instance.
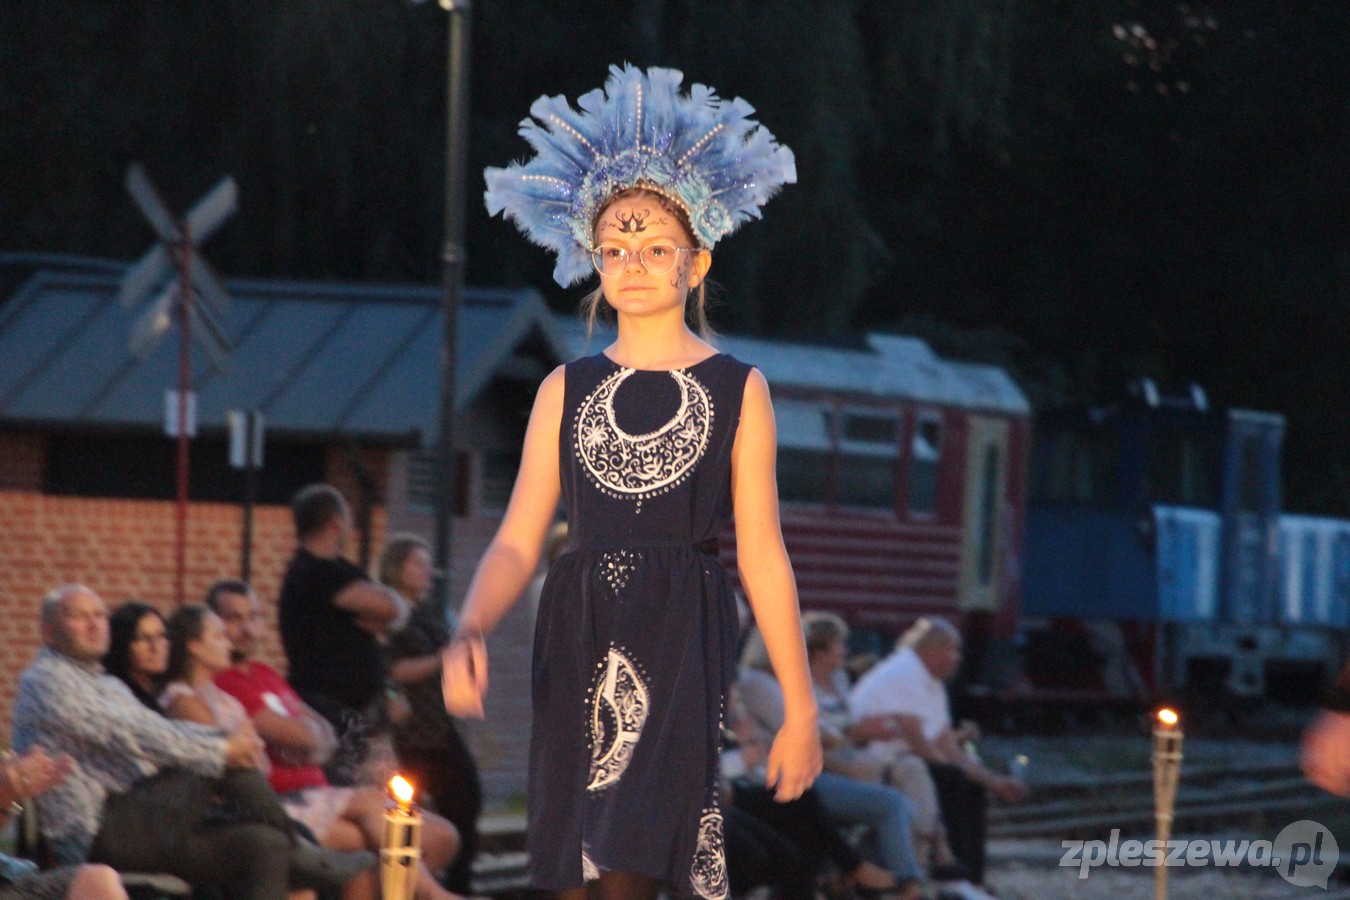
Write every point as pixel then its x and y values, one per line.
pixel 1255 799
pixel 499 868
pixel 1209 799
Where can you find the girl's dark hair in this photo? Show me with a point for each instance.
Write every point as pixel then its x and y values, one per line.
pixel 184 627
pixel 696 310
pixel 122 626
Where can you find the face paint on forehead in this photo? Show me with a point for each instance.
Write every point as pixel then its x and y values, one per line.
pixel 632 222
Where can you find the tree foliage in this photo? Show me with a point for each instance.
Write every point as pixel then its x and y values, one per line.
pixel 1084 191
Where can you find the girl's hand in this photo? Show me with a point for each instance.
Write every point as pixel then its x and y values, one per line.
pixel 794 761
pixel 464 676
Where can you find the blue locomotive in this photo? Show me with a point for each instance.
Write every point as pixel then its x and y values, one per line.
pixel 1158 560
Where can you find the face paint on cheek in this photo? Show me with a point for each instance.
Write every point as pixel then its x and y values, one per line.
pixel 679 275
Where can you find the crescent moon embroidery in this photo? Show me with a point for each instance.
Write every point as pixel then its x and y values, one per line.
pixel 641 466
pixel 618 713
pixel 708 873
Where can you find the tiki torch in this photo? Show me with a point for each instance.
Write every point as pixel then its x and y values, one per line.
pixel 1166 772
pixel 401 851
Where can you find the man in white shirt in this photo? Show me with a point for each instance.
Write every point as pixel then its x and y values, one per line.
pixel 910 685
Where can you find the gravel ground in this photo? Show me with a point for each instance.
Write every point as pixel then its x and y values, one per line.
pixel 1029 869
pixel 1021 881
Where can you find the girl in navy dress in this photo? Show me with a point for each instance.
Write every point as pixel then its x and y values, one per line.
pixel 654 444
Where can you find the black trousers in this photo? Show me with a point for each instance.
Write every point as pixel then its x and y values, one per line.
pixel 759 855
pixel 206 831
pixel 804 821
pixel 964 806
pixel 450 776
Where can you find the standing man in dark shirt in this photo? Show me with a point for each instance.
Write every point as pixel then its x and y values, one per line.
pixel 330 615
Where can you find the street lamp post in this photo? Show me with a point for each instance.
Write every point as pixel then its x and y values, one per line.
pixel 452 254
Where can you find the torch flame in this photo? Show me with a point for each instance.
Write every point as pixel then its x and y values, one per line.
pixel 1168 717
pixel 401 789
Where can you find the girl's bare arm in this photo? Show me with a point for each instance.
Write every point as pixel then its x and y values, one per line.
pixel 771 588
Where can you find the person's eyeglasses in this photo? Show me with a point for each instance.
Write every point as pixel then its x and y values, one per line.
pixel 659 258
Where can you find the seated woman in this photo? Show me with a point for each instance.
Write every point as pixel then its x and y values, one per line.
pixel 846 739
pixel 800 833
pixel 199 649
pixel 25 777
pixel 138 650
pixel 884 810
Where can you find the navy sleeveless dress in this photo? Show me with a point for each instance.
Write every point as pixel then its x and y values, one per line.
pixel 636 634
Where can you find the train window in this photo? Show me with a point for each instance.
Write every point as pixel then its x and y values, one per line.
pixel 1183 469
pixel 925 454
pixel 803 474
pixel 869 429
pixel 865 467
pixel 1078 465
pixel 866 481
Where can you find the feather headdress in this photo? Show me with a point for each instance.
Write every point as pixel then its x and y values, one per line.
pixel 696 149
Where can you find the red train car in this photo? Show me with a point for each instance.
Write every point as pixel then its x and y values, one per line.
pixel 903 481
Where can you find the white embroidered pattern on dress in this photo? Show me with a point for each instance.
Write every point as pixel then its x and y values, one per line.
pixel 619 705
pixel 643 465
pixel 589 870
pixel 708 873
pixel 616 566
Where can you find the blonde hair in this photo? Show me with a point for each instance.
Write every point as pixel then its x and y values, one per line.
pixel 925 632
pixel 821 629
pixel 696 312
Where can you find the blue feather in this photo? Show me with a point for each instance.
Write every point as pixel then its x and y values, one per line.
pixel 703 151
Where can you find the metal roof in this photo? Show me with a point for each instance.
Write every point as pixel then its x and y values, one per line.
pixel 315 358
pixel 322 358
pixel 889 367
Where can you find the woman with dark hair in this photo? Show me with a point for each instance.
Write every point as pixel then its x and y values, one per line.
pixel 198 649
pixel 138 650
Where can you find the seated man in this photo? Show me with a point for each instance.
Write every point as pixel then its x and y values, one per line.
pixel 141 787
pixel 909 686
pixel 298 740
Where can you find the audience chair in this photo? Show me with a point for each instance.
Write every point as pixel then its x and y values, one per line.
pixel 28 843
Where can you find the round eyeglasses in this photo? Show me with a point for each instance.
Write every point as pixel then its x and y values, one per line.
pixel 658 258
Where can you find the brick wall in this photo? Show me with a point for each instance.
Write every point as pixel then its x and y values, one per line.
pixel 125 549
